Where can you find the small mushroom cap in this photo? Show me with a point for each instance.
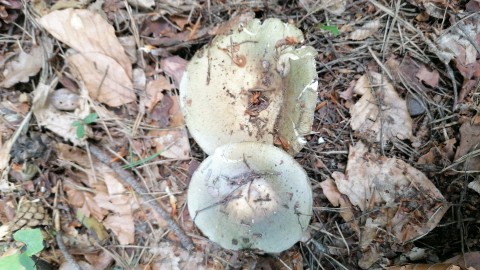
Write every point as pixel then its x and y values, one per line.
pixel 255 84
pixel 251 196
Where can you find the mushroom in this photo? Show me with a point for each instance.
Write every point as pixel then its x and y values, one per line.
pixel 255 84
pixel 251 195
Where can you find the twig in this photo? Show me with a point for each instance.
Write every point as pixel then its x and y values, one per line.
pixel 130 180
pixel 73 264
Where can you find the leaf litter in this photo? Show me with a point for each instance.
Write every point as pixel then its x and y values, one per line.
pixel 400 202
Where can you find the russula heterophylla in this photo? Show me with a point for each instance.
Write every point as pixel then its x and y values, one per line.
pixel 251 196
pixel 257 83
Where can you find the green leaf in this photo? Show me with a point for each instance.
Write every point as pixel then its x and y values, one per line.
pixel 77 123
pixel 27 262
pixel 32 238
pixel 331 28
pixel 11 262
pixel 80 131
pixel 91 118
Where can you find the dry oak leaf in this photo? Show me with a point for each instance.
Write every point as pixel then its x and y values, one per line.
pixel 22 67
pixel 380 111
pixel 366 31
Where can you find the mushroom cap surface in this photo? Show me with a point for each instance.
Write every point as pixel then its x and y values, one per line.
pixel 254 84
pixel 251 196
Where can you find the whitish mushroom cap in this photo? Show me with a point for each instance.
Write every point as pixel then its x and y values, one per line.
pixel 251 85
pixel 251 196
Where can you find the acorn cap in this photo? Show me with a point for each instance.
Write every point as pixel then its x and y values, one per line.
pixel 251 196
pixel 255 84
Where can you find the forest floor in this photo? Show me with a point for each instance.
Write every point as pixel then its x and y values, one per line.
pixel 393 156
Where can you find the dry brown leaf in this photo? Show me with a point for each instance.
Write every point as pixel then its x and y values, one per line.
pixel 99 261
pixel 110 200
pixel 57 121
pixel 336 7
pixel 441 155
pixel 122 226
pixel 469 141
pixel 23 66
pixel 84 201
pixel 469 259
pixel 337 199
pixel 431 78
pixel 86 32
pixel 103 77
pixel 130 46
pixel 390 120
pixel 154 91
pixel 176 115
pixel 172 257
pixel 174 66
pixel 394 196
pixel 172 143
pixel 366 31
pixel 180 21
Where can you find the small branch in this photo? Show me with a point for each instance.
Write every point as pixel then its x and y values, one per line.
pixel 73 264
pixel 142 192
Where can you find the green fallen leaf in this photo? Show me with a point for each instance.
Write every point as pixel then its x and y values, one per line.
pixel 32 238
pixel 91 118
pixel 331 28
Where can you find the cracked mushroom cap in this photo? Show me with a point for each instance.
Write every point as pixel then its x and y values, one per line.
pixel 251 196
pixel 256 84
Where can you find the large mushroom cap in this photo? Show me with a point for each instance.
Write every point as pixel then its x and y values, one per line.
pixel 251 196
pixel 255 84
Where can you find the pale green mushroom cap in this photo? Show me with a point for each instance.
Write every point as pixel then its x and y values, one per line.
pixel 251 196
pixel 222 78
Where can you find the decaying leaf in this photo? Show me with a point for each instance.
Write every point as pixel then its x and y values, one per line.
pixel 442 154
pixel 59 122
pixel 154 91
pixel 172 143
pixel 394 196
pixel 366 31
pixel 174 66
pixel 336 7
pixel 104 79
pixel 86 32
pixel 109 202
pixel 469 142
pixel 455 46
pixel 380 111
pixel 98 60
pixel 172 257
pixel 23 66
pixel 431 78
